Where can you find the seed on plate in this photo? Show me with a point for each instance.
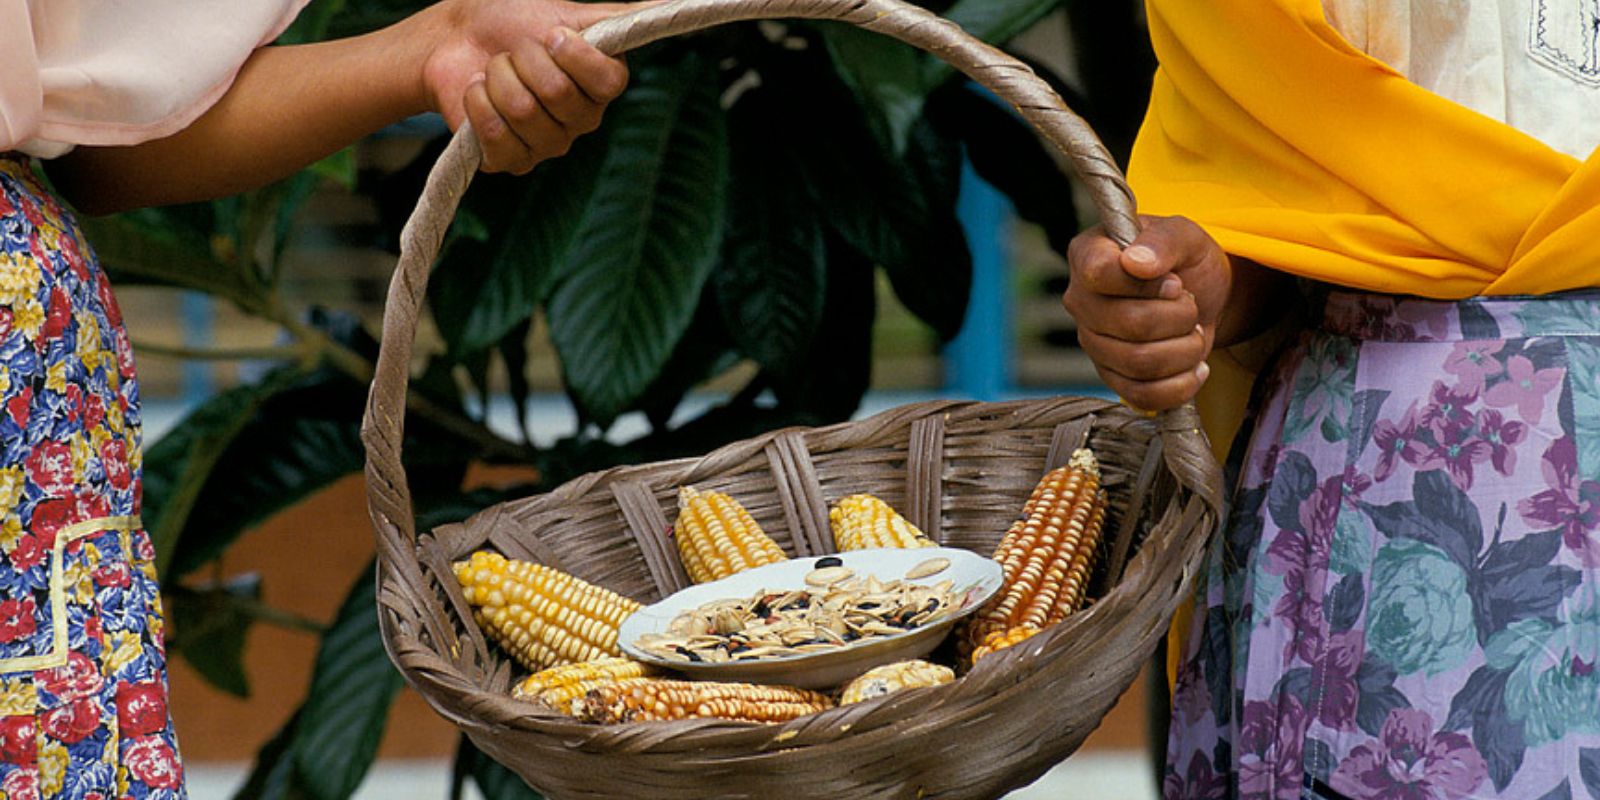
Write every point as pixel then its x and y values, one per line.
pixel 827 576
pixel 829 561
pixel 932 566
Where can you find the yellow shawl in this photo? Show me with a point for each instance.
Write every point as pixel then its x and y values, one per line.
pixel 1295 149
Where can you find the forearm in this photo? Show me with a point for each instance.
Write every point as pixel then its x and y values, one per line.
pixel 288 107
pixel 1257 297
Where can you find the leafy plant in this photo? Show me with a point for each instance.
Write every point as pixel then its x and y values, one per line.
pixel 734 208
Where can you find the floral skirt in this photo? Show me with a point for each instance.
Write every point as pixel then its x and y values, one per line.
pixel 83 682
pixel 1405 601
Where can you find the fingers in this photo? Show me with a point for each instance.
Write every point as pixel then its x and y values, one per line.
pixel 1137 320
pixel 1097 267
pixel 1156 395
pixel 600 77
pixel 533 102
pixel 1165 245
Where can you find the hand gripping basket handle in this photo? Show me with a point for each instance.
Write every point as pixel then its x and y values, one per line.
pixel 389 498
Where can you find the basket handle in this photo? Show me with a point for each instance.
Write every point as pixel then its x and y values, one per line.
pixel 382 430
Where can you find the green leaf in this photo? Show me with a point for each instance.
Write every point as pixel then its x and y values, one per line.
pixel 210 630
pixel 839 368
pixel 352 688
pixel 178 466
pixel 149 247
pixel 514 234
pixel 993 21
pixel 773 275
pixel 289 443
pixel 493 779
pixel 706 349
pixel 897 211
pixel 887 73
pixel 312 24
pixel 514 351
pixel 1007 153
pixel 935 281
pixel 648 241
pixel 273 777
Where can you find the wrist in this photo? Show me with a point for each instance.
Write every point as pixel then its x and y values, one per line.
pixel 419 39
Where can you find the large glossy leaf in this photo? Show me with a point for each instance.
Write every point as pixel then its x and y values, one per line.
pixel 935 279
pixel 178 466
pixel 773 274
pixel 899 212
pixel 706 349
pixel 297 440
pixel 210 630
pixel 838 369
pixel 154 247
pixel 1007 153
pixel 994 21
pixel 648 240
pixel 273 776
pixel 1115 64
pixel 486 285
pixel 887 73
pixel 352 688
pixel 493 780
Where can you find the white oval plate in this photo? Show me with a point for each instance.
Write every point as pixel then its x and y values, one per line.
pixel 976 579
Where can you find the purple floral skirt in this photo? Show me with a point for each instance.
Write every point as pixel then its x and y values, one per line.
pixel 1404 601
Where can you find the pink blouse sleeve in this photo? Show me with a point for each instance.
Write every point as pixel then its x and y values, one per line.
pixel 113 72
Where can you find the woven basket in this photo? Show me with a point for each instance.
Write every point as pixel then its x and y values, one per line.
pixel 960 471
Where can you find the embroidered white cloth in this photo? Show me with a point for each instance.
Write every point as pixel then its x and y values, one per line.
pixel 112 72
pixel 1532 64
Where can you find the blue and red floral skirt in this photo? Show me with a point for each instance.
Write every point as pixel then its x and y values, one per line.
pixel 1405 603
pixel 83 686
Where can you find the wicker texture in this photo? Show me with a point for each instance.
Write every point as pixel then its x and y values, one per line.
pixel 959 471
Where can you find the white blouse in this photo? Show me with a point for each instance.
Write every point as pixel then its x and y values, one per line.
pixel 109 72
pixel 1532 64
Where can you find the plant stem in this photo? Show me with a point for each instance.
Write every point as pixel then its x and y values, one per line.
pixel 289 353
pixel 358 367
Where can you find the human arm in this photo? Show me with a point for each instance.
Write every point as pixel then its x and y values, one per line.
pixel 1149 315
pixel 515 68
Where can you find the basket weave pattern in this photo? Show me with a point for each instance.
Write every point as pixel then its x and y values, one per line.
pixel 960 471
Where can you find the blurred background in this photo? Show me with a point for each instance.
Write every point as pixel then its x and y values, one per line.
pixel 779 224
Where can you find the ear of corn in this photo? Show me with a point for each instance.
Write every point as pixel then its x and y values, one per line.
pixel 648 700
pixel 862 521
pixel 890 678
pixel 542 616
pixel 1046 556
pixel 717 537
pixel 557 687
pixel 1000 640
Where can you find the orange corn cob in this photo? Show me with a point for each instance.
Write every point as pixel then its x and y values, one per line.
pixel 1046 556
pixel 890 678
pixel 717 537
pixel 557 687
pixel 670 699
pixel 1000 640
pixel 861 521
pixel 542 616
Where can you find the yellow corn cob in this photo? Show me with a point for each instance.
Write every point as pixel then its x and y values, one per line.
pixel 1046 556
pixel 1000 640
pixel 890 678
pixel 557 687
pixel 717 537
pixel 861 521
pixel 670 699
pixel 542 616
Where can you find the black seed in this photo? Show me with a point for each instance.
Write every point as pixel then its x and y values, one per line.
pixel 829 561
